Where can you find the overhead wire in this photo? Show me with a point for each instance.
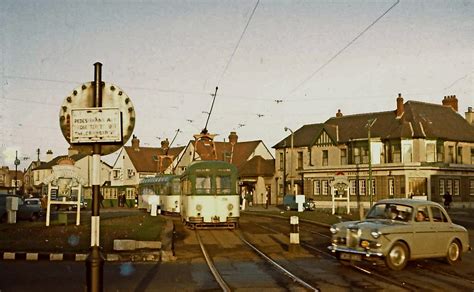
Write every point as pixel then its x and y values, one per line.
pixel 238 43
pixel 342 50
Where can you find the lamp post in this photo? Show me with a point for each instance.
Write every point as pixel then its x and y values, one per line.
pixel 291 160
pixel 17 162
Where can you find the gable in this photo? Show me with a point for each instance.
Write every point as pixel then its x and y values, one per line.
pixel 324 139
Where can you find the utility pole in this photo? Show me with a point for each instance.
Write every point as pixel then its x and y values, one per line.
pixel 291 161
pixel 369 125
pixel 284 168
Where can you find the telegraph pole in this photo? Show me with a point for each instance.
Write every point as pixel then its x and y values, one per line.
pixel 370 123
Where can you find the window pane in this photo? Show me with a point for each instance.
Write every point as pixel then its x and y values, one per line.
pixel 317 187
pixel 203 185
pixel 223 184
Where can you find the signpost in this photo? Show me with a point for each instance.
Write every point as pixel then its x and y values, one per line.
pixel 96 119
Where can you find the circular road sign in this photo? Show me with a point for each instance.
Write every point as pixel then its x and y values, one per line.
pixel 82 97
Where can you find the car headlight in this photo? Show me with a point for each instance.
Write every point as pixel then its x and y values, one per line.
pixel 198 207
pixel 230 207
pixel 334 229
pixel 375 234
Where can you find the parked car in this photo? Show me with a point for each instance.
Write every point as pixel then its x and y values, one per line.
pixel 289 203
pixel 27 209
pixel 399 230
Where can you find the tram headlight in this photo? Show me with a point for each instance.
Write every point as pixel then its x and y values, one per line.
pixel 198 207
pixel 230 207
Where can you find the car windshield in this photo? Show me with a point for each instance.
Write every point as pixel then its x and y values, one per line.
pixel 390 211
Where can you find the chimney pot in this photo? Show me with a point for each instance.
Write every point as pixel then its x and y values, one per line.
pixel 135 143
pixel 400 106
pixel 233 138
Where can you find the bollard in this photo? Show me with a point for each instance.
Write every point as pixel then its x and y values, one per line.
pixel 294 234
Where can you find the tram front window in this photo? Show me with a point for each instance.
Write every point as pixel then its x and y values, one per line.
pixel 203 185
pixel 223 184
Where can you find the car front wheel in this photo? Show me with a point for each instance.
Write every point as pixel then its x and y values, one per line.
pixel 397 257
pixel 454 253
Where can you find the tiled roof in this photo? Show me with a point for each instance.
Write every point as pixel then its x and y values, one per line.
pixel 419 120
pixel 257 166
pixel 304 136
pixel 240 153
pixel 54 161
pixel 144 159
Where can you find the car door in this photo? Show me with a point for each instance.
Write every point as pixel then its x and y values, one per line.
pixel 423 235
pixel 443 230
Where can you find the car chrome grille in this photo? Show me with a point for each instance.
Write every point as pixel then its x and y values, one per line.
pixel 352 237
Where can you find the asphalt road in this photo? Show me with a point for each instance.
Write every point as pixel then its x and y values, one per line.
pixel 190 272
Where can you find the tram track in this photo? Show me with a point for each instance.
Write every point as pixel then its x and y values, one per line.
pixel 269 262
pixel 368 272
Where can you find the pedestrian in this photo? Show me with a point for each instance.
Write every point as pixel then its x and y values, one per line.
pixel 447 199
pixel 266 201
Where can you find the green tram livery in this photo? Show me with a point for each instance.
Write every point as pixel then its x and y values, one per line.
pixel 209 196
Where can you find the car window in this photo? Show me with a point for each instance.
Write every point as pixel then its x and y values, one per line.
pixel 391 211
pixel 438 215
pixel 422 214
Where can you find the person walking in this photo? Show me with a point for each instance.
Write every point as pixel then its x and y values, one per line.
pixel 447 199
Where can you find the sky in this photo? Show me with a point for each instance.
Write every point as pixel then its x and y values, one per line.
pixel 276 64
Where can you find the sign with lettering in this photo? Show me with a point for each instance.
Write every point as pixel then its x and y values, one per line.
pixel 96 125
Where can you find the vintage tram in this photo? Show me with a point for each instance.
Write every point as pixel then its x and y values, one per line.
pixel 209 196
pixel 165 189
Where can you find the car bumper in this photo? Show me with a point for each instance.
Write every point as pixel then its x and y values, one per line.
pixel 367 253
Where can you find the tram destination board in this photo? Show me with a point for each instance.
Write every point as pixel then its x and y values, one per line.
pixel 96 125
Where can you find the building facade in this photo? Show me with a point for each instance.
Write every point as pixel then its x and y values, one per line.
pixel 418 149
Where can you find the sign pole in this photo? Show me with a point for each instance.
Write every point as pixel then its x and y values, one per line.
pixel 95 259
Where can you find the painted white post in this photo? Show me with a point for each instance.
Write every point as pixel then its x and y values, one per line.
pixel 294 230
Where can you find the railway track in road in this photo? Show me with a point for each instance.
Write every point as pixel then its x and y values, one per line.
pixel 369 273
pixel 225 286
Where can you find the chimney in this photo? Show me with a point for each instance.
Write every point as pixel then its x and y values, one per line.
pixel 470 116
pixel 451 101
pixel 49 155
pixel 233 138
pixel 165 145
pixel 135 143
pixel 339 114
pixel 72 151
pixel 400 106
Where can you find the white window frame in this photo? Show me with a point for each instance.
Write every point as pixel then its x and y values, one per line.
pixel 456 186
pixel 325 187
pixel 391 187
pixel 362 187
pixel 317 187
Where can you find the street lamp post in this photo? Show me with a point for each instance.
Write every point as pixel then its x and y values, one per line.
pixel 291 160
pixel 17 162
